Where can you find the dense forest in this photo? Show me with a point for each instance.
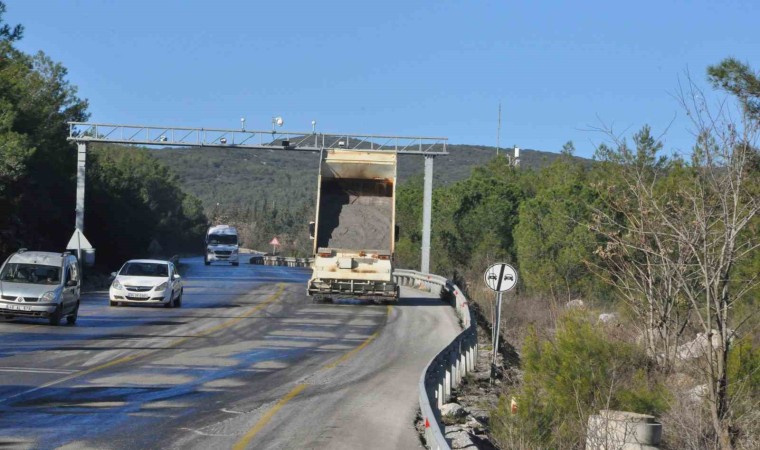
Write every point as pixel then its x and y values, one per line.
pixel 132 203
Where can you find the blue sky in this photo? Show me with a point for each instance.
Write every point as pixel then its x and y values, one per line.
pixel 429 68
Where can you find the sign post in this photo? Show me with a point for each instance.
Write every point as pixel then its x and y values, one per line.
pixel 274 243
pixel 499 277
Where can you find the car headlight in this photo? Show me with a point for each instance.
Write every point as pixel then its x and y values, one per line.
pixel 117 285
pixel 162 286
pixel 210 250
pixel 49 297
pixel 234 252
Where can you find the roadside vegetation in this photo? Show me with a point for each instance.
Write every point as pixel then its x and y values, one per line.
pixel 134 205
pixel 639 275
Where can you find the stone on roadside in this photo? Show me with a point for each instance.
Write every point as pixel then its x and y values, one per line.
pixel 608 318
pixel 459 438
pixel 454 410
pixel 575 304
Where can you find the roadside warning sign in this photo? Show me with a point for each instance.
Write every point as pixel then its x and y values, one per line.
pixel 275 241
pixel 500 277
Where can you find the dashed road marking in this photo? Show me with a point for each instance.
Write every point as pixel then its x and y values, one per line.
pixel 126 359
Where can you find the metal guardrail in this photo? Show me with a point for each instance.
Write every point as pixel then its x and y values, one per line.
pixel 450 365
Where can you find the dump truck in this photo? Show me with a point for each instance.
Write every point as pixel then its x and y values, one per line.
pixel 354 232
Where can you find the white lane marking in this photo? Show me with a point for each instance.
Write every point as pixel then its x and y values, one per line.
pixel 36 370
pixel 208 434
pixel 229 411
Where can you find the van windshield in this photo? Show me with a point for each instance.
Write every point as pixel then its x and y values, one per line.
pixel 30 274
pixel 223 239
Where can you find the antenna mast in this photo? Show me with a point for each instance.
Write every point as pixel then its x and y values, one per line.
pixel 498 131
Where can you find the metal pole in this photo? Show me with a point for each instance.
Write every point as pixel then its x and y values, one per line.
pixel 79 221
pixel 81 160
pixel 496 334
pixel 427 206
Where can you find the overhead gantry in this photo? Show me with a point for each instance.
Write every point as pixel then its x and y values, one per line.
pixel 84 133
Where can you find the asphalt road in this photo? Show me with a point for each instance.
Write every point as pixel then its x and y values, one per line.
pixel 247 362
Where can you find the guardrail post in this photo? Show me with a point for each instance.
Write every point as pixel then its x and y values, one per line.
pixel 447 383
pixel 454 369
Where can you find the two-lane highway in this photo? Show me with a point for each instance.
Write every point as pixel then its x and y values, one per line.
pixel 247 362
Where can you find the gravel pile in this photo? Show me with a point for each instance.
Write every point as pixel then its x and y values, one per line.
pixel 350 220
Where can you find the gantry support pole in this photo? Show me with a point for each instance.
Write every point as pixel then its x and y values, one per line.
pixel 427 207
pixel 81 161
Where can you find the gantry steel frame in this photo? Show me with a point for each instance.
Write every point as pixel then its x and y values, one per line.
pixel 84 133
pixel 252 139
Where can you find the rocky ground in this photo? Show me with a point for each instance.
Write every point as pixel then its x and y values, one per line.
pixel 467 414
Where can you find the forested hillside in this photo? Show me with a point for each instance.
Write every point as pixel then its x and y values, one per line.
pixel 270 193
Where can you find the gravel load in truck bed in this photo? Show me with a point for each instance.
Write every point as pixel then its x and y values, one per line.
pixel 355 219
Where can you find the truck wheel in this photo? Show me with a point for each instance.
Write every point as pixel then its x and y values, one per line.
pixel 55 318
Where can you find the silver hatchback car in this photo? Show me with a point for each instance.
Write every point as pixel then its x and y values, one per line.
pixel 40 284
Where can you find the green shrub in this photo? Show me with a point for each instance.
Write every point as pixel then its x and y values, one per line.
pixel 570 377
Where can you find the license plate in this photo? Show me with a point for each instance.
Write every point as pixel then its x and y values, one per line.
pixel 15 307
pixel 139 295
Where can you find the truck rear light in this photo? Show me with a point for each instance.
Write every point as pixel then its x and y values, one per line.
pixel 384 257
pixel 362 253
pixel 325 254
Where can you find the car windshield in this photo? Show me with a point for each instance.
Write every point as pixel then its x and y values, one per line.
pixel 30 274
pixel 224 239
pixel 145 269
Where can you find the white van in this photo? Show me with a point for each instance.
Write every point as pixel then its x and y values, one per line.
pixel 221 245
pixel 40 285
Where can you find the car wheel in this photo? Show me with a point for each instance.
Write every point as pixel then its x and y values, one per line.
pixel 71 319
pixel 236 264
pixel 206 261
pixel 55 318
pixel 170 303
pixel 178 300
pixel 113 303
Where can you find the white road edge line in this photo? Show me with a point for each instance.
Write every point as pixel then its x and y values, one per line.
pixel 35 370
pixel 208 434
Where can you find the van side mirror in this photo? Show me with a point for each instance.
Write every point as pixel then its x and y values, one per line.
pixel 71 283
pixel 312 229
pixel 176 276
pixel 396 234
pixel 113 274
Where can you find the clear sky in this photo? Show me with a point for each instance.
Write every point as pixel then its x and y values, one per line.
pixel 428 68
